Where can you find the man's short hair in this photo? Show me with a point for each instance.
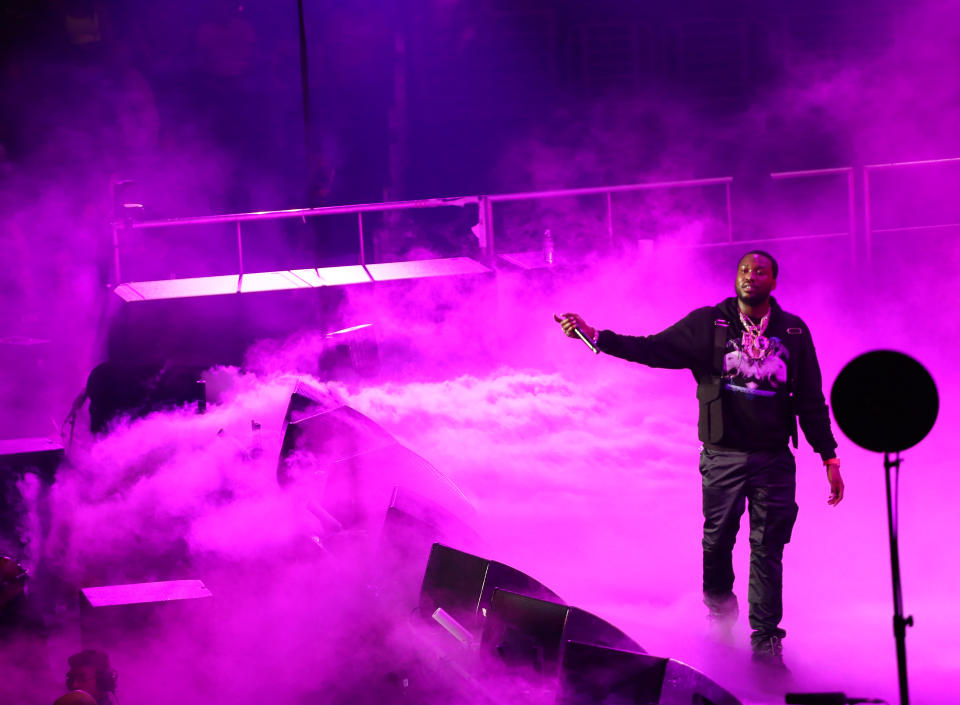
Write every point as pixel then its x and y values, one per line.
pixel 763 253
pixel 100 663
pixel 75 697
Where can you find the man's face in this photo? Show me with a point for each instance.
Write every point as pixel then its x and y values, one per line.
pixel 83 678
pixel 755 279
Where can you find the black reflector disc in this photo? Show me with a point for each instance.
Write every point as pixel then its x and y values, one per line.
pixel 885 401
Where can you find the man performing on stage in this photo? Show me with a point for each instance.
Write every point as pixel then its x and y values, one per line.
pixel 757 373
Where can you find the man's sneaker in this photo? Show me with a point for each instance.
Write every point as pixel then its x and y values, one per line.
pixel 722 614
pixel 720 627
pixel 769 652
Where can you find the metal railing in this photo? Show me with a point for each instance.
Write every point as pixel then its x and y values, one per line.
pixel 301 213
pixel 610 190
pixel 484 229
pixel 485 203
pixel 851 232
pixel 869 230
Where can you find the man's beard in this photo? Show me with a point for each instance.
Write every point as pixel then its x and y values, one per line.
pixel 754 298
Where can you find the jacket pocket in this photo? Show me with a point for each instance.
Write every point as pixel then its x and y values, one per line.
pixel 710 423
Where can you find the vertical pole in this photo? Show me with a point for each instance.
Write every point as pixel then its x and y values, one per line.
pixel 116 255
pixel 867 224
pixel 729 213
pixel 899 623
pixel 851 216
pixel 240 249
pixel 486 207
pixel 397 118
pixel 363 249
pixel 610 217
pixel 305 97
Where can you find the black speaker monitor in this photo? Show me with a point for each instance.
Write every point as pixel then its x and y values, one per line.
pixel 463 585
pixel 525 631
pixel 522 629
pixel 592 674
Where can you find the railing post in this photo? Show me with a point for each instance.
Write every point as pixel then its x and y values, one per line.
pixel 485 221
pixel 240 249
pixel 867 226
pixel 363 249
pixel 729 212
pixel 610 218
pixel 116 254
pixel 852 215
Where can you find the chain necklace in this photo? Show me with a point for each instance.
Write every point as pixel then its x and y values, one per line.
pixel 754 344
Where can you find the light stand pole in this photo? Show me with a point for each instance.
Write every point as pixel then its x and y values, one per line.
pixel 900 623
pixel 886 401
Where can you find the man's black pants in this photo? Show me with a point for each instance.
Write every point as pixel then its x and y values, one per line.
pixel 767 481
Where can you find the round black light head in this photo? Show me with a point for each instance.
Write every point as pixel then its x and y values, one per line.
pixel 885 401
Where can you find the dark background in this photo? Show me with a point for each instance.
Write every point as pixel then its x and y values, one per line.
pixel 200 102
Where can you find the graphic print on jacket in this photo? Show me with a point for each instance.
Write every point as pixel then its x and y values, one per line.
pixel 761 376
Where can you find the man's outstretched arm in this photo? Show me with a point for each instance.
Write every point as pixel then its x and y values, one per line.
pixel 684 345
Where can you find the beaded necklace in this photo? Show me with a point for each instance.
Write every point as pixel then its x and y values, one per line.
pixel 754 343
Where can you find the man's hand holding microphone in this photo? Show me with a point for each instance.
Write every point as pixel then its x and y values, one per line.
pixel 575 327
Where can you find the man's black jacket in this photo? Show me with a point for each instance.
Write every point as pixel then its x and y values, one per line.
pixel 743 406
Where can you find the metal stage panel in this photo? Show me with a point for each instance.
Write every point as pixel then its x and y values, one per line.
pixel 334 276
pixel 113 615
pixel 271 281
pixel 28 451
pixel 178 288
pixel 140 593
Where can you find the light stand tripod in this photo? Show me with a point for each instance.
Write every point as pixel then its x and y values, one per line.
pixel 886 402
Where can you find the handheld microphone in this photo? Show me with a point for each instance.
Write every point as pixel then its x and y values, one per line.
pixel 834 698
pixel 586 340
